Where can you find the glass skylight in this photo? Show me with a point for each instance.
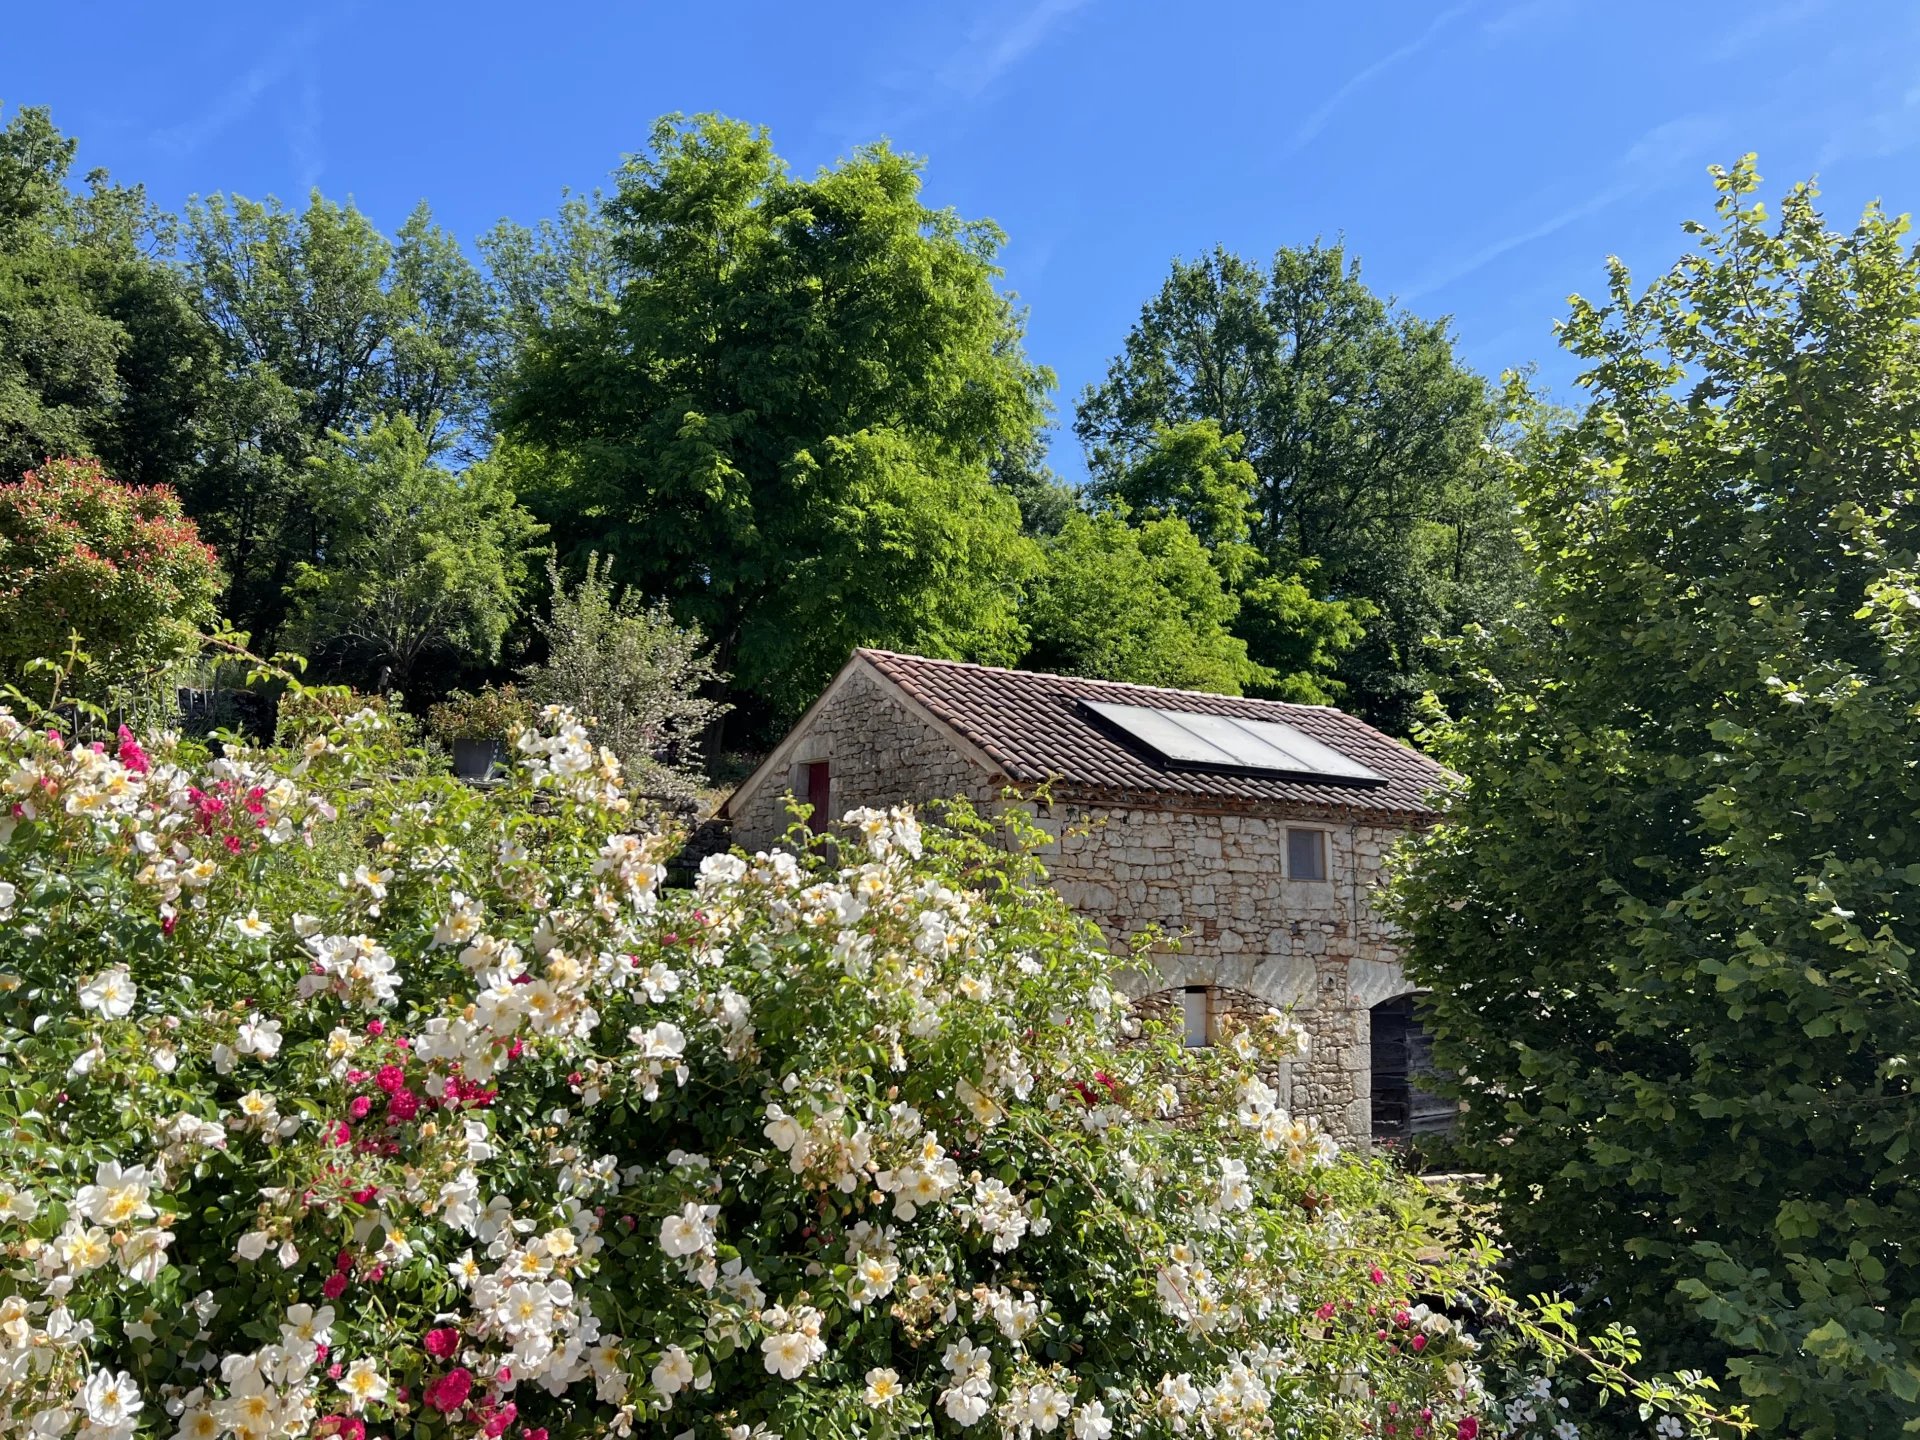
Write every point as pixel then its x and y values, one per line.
pixel 1225 742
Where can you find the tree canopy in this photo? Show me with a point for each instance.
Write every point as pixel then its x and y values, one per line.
pixel 785 415
pixel 324 326
pixel 420 562
pixel 1137 603
pixel 101 352
pixel 1364 435
pixel 1670 920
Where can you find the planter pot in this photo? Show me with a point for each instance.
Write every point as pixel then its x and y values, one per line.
pixel 479 759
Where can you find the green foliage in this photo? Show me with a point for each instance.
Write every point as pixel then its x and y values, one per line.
pixel 324 326
pixel 1294 641
pixel 1367 441
pixel 420 563
pixel 645 686
pixel 100 352
pixel 119 567
pixel 784 412
pixel 854 1141
pixel 492 713
pixel 1137 603
pixel 1671 920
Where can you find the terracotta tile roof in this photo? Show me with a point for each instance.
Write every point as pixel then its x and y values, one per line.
pixel 1033 728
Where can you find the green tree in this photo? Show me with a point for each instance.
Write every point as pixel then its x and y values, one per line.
pixel 1192 473
pixel 117 565
pixel 786 416
pixel 324 326
pixel 1671 919
pixel 422 563
pixel 1138 603
pixel 101 353
pixel 1359 426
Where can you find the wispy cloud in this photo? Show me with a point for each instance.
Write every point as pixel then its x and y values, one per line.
pixel 1529 15
pixel 239 99
pixel 970 59
pixel 1317 121
pixel 303 132
pixel 1761 22
pixel 1885 122
pixel 999 43
pixel 1662 156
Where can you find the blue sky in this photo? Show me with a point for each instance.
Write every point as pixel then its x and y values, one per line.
pixel 1481 158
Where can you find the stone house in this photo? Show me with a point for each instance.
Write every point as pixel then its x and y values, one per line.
pixel 1254 831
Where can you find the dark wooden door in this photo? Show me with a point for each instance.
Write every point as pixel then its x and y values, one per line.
pixel 1402 1058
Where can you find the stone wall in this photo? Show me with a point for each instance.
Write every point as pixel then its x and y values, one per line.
pixel 878 752
pixel 1214 883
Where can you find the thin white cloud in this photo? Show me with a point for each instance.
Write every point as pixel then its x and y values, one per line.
pixel 971 62
pixel 303 133
pixel 1466 265
pixel 1317 121
pixel 1529 15
pixel 1659 157
pixel 996 46
pixel 240 98
pixel 1761 22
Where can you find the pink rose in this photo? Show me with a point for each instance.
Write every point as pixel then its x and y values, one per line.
pixel 335 1285
pixel 130 753
pixel 450 1391
pixel 442 1343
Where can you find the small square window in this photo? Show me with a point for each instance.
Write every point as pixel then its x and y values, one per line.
pixel 1196 1013
pixel 1306 854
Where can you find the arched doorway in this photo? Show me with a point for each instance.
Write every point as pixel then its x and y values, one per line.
pixel 1404 1108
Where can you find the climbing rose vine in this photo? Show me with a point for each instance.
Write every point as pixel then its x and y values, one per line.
pixel 343 1100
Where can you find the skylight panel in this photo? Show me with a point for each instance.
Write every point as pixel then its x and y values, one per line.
pixel 1186 740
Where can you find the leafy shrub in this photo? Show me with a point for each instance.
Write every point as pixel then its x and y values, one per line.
pixel 634 676
pixel 494 712
pixel 347 1099
pixel 120 565
pixel 1670 925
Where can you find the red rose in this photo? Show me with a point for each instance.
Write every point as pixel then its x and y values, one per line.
pixel 442 1343
pixel 450 1391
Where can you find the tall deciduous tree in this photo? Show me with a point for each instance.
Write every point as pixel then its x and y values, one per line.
pixel 1293 639
pixel 101 353
pixel 1670 923
pixel 1359 424
pixel 785 416
pixel 1137 603
pixel 421 564
pixel 325 325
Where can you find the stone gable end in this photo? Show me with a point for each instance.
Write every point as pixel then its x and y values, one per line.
pixel 878 750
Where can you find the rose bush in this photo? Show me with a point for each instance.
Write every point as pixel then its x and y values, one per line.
pixel 344 1100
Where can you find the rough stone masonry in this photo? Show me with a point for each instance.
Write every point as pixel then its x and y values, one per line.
pixel 1209 870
